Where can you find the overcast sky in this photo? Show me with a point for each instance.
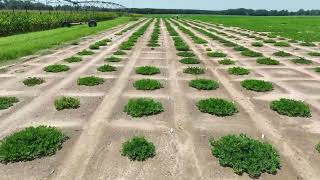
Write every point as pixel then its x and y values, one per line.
pixel 222 4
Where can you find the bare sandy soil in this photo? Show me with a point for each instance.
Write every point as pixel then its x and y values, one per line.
pixel 99 127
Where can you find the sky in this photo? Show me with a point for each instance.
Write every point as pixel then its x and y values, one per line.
pixel 291 5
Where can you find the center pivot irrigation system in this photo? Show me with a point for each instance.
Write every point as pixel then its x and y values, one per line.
pixel 87 6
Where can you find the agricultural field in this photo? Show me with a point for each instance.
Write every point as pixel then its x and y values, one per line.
pixel 14 47
pixel 301 28
pixel 164 98
pixel 22 22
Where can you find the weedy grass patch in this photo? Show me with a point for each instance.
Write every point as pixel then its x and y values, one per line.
pixel 138 148
pixel 281 54
pixel 317 69
pixel 216 106
pixel 138 107
pixel 33 81
pixel 56 68
pixel 282 44
pixel 216 54
pixel 226 61
pixel 7 101
pixel 85 53
pixel 73 59
pixel 238 71
pixel 31 143
pixel 245 155
pixel 301 61
pixel 249 53
pixel 257 85
pixel 106 68
pixel 193 70
pixel 147 70
pixel 189 61
pixel 147 84
pixel 204 84
pixel 291 108
pixel 257 44
pixel 186 54
pixel 267 61
pixel 90 81
pixel 113 59
pixel 66 103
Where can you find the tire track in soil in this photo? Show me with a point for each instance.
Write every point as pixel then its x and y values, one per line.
pixel 289 151
pixel 18 119
pixel 187 160
pixel 74 166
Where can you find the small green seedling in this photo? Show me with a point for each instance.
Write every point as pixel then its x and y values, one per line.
pixel 193 70
pixel 73 59
pixel 147 84
pixel 138 149
pixel 204 84
pixel 291 108
pixel 113 59
pixel 216 106
pixel 55 68
pixel 7 101
pixel 66 103
pixel 245 155
pixel 226 61
pixel 257 85
pixel 147 70
pixel 238 71
pixel 282 44
pixel 301 61
pixel 185 54
pixel 85 53
pixel 257 44
pixel 33 81
pixel 281 54
pixel 138 107
pixel 90 81
pixel 267 61
pixel 216 54
pixel 249 53
pixel 106 68
pixel 189 61
pixel 314 53
pixel 119 53
pixel 31 143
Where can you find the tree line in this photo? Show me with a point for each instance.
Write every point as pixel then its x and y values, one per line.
pixel 28 5
pixel 240 11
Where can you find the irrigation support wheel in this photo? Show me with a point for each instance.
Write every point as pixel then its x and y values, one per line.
pixel 92 23
pixel 65 24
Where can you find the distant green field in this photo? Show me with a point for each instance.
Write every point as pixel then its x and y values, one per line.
pixel 299 28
